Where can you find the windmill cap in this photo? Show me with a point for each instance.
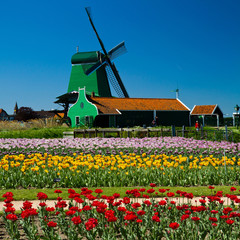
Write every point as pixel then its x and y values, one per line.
pixel 86 57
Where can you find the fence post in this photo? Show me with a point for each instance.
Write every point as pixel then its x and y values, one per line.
pixel 226 131
pixel 201 131
pixel 148 132
pixel 118 133
pixel 95 132
pixel 183 130
pixel 173 131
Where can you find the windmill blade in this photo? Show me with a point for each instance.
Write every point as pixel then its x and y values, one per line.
pixel 88 9
pixel 119 48
pixel 119 80
pixel 95 67
pixel 112 54
pixel 117 51
pixel 113 81
pixel 100 41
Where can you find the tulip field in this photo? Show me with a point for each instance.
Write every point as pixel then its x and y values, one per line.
pixel 107 217
pixel 116 162
pixel 121 162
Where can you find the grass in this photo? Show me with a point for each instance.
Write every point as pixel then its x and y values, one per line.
pixel 197 191
pixel 34 133
pixel 38 128
pixel 50 128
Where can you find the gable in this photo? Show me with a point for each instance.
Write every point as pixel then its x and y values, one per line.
pixel 218 111
pixel 81 109
pixel 3 112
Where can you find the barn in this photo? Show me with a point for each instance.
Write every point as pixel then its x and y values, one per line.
pixel 126 112
pixel 207 115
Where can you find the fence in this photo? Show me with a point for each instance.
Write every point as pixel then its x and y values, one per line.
pixel 214 135
pixel 120 132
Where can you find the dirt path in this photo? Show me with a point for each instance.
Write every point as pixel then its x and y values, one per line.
pixel 179 201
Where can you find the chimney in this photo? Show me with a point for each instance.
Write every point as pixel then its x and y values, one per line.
pixel 93 94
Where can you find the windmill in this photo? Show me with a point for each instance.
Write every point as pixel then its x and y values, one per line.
pixel 94 71
pixel 106 61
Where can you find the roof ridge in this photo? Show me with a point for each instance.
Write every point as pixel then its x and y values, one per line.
pixel 134 98
pixel 206 105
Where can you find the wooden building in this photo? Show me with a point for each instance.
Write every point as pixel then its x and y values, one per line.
pixel 210 115
pixel 123 112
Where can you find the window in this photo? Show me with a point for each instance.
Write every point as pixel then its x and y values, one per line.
pixel 77 120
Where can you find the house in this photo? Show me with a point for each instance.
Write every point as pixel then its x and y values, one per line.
pixel 44 114
pixel 210 115
pixel 123 112
pixel 3 115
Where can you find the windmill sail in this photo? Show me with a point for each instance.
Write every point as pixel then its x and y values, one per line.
pixel 99 39
pixel 95 67
pixel 113 53
pixel 117 51
pixel 113 81
pixel 119 81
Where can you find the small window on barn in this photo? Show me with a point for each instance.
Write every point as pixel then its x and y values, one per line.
pixel 77 120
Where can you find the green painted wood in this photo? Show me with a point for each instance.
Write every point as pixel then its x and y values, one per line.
pixel 82 109
pixel 96 82
pixel 85 57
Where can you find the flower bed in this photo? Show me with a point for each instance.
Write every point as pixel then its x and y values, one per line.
pixel 108 146
pixel 120 162
pixel 108 217
pixel 123 170
pixel 37 170
pixel 117 162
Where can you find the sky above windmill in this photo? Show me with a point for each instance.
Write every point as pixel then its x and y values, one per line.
pixel 190 45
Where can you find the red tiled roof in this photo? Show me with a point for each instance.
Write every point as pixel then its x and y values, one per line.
pixel 203 110
pixel 111 105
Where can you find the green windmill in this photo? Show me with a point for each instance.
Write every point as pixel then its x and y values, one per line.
pixel 93 71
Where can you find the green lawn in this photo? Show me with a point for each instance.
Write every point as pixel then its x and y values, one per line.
pixel 30 194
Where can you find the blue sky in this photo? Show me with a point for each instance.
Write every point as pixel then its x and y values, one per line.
pixel 194 45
